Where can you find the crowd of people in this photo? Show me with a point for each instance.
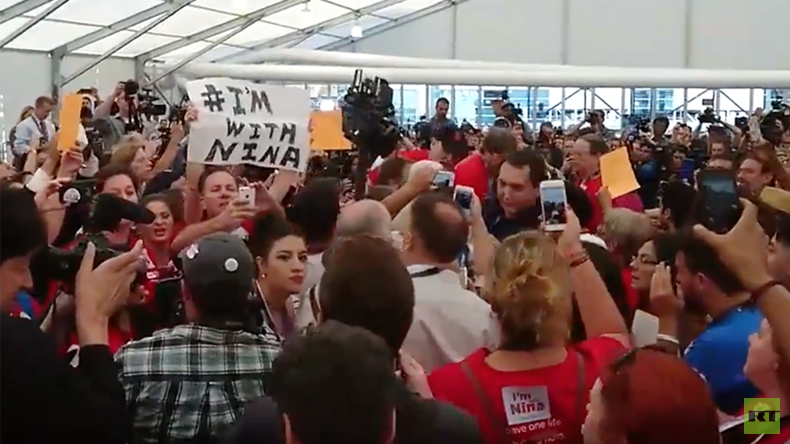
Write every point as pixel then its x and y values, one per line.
pixel 145 300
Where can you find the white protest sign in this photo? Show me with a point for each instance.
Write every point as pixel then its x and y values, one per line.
pixel 243 122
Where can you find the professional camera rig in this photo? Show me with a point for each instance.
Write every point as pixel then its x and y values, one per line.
pixel 148 105
pixel 369 123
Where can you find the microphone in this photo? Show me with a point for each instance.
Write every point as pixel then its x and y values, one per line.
pixel 109 210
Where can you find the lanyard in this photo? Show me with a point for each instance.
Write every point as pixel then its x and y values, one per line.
pixel 269 317
pixel 433 271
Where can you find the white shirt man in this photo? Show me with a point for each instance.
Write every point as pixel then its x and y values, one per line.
pixel 450 322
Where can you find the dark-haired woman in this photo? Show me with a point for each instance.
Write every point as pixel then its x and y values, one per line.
pixel 281 257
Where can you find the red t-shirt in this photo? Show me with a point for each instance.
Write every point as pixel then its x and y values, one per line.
pixel 630 201
pixel 538 405
pixel 472 172
pixel 415 155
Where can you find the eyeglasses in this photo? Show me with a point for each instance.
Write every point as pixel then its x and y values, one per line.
pixel 645 260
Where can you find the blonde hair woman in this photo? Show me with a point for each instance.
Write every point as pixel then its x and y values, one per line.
pixel 625 231
pixel 535 386
pixel 131 153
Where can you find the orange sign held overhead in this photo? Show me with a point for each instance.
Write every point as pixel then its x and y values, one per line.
pixel 326 131
pixel 617 174
pixel 69 119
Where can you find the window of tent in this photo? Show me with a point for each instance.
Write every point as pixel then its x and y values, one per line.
pixel 415 100
pixel 551 111
pixel 699 99
pixel 665 102
pixel 466 104
pixel 610 101
pixel 578 102
pixel 641 100
pixel 397 101
pixel 734 103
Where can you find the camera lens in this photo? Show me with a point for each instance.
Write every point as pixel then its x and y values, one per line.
pixel 131 87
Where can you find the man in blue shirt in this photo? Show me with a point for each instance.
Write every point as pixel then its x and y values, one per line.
pixel 36 126
pixel 719 352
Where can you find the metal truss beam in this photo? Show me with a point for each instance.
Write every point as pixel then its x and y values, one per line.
pixel 203 51
pixel 400 21
pixel 120 25
pixel 354 10
pixel 32 22
pixel 174 8
pixel 248 56
pixel 20 8
pixel 219 29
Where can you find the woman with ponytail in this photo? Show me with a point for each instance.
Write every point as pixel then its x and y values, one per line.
pixel 534 387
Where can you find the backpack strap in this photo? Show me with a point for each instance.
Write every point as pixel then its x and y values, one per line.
pixel 493 418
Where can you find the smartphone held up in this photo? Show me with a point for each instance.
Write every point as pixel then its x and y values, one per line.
pixel 553 203
pixel 718 205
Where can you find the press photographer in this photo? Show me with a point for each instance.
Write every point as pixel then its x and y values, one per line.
pixel 128 109
pixel 718 130
pixel 772 126
pixel 595 121
pixel 51 401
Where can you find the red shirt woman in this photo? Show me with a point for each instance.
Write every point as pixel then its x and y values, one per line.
pixel 535 386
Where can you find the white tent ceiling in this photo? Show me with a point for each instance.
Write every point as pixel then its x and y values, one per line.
pixel 171 30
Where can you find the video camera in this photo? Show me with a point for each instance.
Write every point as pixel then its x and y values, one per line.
pixel 148 105
pixel 776 122
pixel 369 117
pixel 640 126
pixel 108 212
pixel 510 110
pixel 708 116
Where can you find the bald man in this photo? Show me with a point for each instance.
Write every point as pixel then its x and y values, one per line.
pixel 365 217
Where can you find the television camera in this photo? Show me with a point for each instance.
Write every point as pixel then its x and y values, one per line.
pixel 776 122
pixel 369 123
pixel 708 116
pixel 142 103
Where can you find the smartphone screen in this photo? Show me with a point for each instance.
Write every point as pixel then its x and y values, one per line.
pixel 77 191
pixel 553 202
pixel 718 208
pixel 444 179
pixel 463 197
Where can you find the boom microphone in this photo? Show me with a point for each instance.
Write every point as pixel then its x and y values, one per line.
pixel 109 210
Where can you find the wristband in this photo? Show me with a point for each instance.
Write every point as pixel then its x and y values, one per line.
pixel 668 338
pixel 763 289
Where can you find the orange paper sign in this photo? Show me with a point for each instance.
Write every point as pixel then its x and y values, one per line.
pixel 69 119
pixel 326 131
pixel 617 174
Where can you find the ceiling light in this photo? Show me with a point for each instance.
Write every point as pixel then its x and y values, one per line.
pixel 356 31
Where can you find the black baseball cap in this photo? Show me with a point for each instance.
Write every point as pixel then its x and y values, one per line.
pixel 219 272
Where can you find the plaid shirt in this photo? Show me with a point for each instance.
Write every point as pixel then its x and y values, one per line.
pixel 188 384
